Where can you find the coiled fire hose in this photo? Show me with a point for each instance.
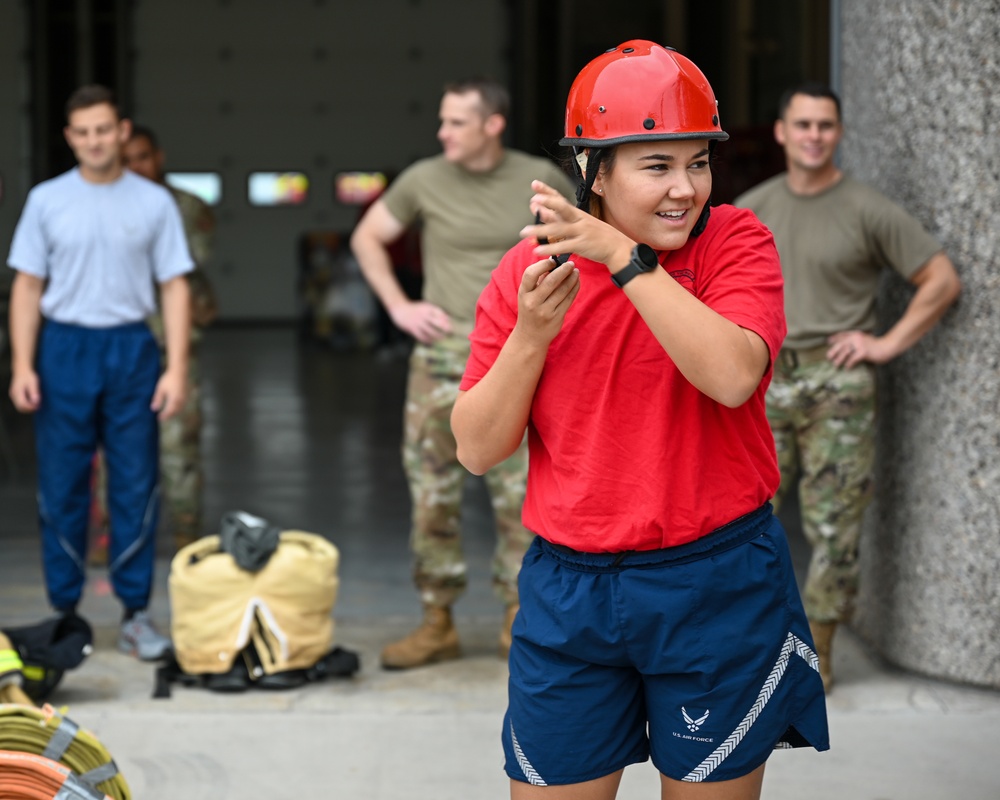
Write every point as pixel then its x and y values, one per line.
pixel 24 776
pixel 44 732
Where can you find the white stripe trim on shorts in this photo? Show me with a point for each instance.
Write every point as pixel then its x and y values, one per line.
pixel 793 644
pixel 522 761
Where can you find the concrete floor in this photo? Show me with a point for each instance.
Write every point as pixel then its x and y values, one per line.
pixel 309 439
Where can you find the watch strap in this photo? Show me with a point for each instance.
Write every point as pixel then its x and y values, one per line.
pixel 643 260
pixel 623 276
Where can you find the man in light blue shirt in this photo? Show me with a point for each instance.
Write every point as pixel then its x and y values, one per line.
pixel 88 248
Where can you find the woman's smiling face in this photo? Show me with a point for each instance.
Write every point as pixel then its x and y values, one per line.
pixel 656 190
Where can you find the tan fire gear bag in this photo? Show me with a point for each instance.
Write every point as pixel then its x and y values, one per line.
pixel 284 610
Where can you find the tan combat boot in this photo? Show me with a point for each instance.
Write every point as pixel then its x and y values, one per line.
pixel 822 633
pixel 505 638
pixel 435 640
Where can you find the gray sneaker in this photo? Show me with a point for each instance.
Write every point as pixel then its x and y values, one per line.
pixel 139 638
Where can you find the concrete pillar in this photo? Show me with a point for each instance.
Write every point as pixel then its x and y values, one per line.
pixel 922 114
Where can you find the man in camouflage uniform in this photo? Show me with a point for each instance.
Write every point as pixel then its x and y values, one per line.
pixel 180 436
pixel 834 236
pixel 472 201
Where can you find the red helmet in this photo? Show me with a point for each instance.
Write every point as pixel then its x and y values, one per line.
pixel 640 91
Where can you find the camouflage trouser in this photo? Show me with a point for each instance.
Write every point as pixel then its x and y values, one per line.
pixel 436 481
pixel 823 422
pixel 180 441
pixel 180 461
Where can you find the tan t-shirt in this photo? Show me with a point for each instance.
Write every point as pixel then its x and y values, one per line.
pixel 470 219
pixel 832 246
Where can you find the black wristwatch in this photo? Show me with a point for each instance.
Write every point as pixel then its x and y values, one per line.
pixel 643 260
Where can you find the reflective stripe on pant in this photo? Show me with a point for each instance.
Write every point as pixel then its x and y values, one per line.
pixel 97 384
pixel 823 421
pixel 436 480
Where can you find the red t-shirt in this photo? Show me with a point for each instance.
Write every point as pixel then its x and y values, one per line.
pixel 625 454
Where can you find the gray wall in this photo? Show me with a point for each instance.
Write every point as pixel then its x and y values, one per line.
pixel 14 166
pixel 303 85
pixel 919 82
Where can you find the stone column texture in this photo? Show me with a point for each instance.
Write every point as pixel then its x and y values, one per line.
pixel 921 101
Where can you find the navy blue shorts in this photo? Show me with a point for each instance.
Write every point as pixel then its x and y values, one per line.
pixel 699 655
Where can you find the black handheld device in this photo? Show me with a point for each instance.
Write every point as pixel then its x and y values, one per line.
pixel 558 260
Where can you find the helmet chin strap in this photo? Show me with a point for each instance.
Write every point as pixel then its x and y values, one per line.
pixel 588 167
pixel 699 226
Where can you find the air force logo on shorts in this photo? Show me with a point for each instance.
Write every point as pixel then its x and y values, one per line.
pixel 694 724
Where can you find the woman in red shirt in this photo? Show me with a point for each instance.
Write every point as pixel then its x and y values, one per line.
pixel 659 612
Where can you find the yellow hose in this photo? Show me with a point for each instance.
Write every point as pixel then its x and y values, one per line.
pixel 12 693
pixel 46 732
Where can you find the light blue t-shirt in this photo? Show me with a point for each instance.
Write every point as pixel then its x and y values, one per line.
pixel 100 246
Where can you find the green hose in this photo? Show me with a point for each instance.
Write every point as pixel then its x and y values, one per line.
pixel 46 732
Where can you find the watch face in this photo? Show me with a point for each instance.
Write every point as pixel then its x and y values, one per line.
pixel 646 256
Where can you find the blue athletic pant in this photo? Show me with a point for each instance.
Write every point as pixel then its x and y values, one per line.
pixel 97 385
